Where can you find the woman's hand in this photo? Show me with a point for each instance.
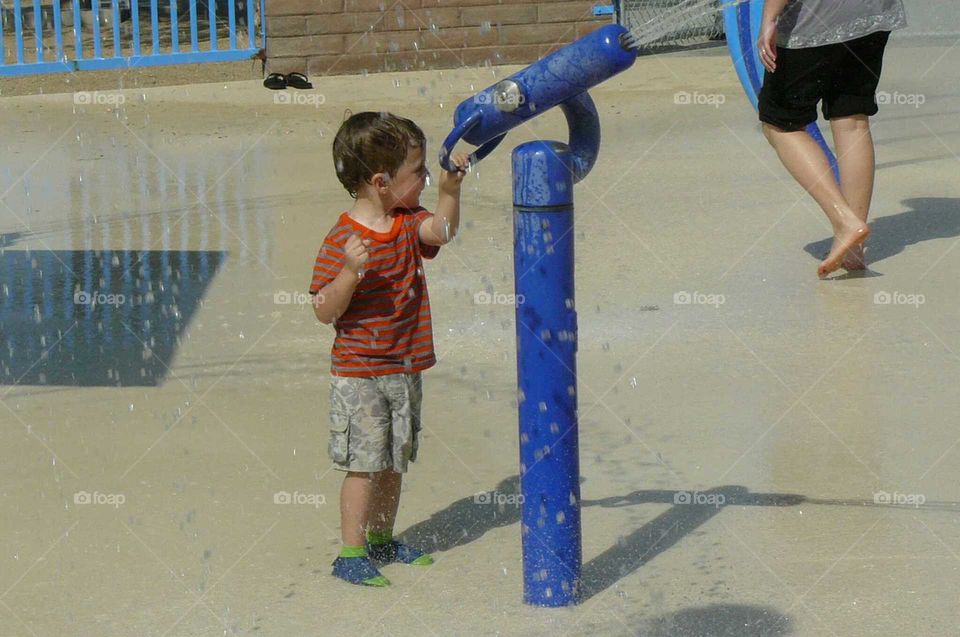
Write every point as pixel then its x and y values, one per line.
pixel 767 45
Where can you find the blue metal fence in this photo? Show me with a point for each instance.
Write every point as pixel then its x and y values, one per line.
pixel 59 36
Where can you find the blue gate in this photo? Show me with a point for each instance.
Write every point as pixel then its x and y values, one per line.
pixel 59 36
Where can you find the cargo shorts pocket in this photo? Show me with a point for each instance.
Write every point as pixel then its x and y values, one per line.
pixel 338 447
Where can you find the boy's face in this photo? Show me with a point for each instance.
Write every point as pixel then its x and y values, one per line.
pixel 410 180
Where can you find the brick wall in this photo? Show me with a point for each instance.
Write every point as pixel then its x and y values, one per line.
pixel 332 37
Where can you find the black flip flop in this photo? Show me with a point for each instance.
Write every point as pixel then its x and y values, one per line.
pixel 298 80
pixel 275 82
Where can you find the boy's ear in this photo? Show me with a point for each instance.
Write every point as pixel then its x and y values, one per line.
pixel 380 181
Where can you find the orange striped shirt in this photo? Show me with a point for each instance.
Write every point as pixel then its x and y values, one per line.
pixel 386 328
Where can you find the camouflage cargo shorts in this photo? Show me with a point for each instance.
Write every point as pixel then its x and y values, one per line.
pixel 375 422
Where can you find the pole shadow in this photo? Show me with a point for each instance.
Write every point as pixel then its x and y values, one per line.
pixel 467 519
pixel 928 218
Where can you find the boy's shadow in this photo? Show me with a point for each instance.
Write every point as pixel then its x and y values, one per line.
pixel 928 218
pixel 466 520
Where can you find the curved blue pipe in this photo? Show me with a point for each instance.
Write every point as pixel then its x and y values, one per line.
pixel 743 21
pixel 555 80
pixel 584 125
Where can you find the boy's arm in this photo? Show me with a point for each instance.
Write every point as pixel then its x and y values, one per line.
pixel 333 299
pixel 443 226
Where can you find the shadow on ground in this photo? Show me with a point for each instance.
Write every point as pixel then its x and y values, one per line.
pixel 719 620
pixel 467 519
pixel 928 218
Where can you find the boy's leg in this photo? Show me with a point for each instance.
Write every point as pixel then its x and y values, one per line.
pixel 383 514
pixel 809 165
pixel 356 504
pixel 404 392
pixel 385 501
pixel 353 564
pixel 355 431
pixel 857 159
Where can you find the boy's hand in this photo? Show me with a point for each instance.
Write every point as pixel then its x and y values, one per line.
pixel 355 253
pixel 450 181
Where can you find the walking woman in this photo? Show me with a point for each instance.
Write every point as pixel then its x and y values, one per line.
pixel 828 51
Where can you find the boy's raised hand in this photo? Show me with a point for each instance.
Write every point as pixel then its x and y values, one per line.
pixel 450 181
pixel 355 253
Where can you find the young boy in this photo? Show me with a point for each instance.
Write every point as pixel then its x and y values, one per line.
pixel 368 281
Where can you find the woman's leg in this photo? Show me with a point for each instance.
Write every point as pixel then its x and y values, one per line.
pixel 857 159
pixel 809 165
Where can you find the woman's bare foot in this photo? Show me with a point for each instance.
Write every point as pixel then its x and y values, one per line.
pixel 844 241
pixel 855 259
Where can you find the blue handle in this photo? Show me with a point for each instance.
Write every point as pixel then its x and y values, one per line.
pixel 457 134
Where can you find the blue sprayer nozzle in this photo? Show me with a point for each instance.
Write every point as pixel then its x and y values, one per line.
pixel 484 119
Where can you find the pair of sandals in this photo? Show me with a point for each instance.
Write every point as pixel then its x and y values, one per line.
pixel 279 81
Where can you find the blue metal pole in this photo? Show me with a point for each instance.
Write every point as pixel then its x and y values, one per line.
pixel 544 173
pixel 547 373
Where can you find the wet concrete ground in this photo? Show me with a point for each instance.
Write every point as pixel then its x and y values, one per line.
pixel 164 468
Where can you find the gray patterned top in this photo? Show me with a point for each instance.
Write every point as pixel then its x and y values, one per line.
pixel 809 23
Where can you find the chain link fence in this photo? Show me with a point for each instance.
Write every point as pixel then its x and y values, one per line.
pixel 639 15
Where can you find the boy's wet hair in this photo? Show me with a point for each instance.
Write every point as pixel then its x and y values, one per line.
pixel 370 143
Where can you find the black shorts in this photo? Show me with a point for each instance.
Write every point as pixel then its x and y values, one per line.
pixel 844 76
